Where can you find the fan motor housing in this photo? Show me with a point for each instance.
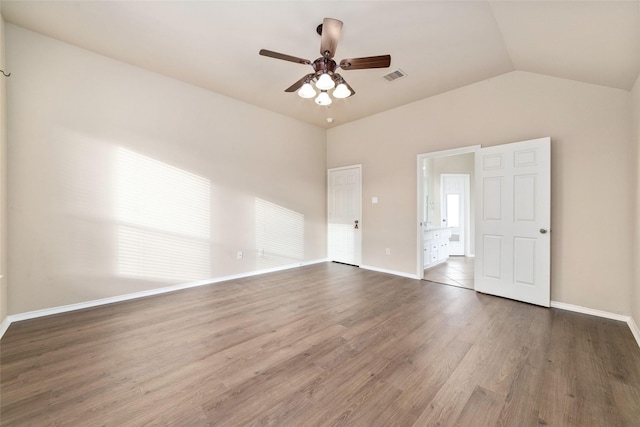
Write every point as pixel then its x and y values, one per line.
pixel 324 65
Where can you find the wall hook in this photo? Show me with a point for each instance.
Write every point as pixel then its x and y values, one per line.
pixel 5 74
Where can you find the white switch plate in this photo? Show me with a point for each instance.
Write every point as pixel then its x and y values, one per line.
pixel 388 251
pixel 239 255
pixel 374 200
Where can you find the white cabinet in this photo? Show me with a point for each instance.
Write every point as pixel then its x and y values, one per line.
pixel 436 246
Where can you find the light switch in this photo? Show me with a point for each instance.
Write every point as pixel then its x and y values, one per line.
pixel 374 200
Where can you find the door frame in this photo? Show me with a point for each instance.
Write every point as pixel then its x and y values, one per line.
pixel 358 248
pixel 420 210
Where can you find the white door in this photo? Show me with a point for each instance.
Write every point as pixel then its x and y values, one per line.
pixel 513 189
pixel 345 204
pixel 454 207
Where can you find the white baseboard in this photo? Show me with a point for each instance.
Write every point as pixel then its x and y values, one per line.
pixel 634 329
pixel 119 298
pixel 4 326
pixel 394 272
pixel 591 311
pixel 607 315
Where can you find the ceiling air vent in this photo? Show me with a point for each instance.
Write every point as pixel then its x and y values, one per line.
pixel 394 75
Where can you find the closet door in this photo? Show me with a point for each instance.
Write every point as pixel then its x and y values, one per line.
pixel 345 206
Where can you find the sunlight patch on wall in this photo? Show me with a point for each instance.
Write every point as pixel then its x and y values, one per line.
pixel 157 195
pixel 150 254
pixel 164 217
pixel 279 234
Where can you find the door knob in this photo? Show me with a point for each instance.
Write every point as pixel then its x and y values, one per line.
pixel 543 231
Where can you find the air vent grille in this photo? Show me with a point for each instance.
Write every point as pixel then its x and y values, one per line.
pixel 394 75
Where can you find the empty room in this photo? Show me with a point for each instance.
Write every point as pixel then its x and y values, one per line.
pixel 363 213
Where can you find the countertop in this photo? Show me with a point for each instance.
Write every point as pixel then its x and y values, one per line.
pixel 435 228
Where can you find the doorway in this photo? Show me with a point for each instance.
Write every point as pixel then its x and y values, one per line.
pixel 446 213
pixel 513 221
pixel 455 206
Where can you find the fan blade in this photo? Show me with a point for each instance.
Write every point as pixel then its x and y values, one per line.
pixel 297 85
pixel 382 61
pixel 331 29
pixel 276 55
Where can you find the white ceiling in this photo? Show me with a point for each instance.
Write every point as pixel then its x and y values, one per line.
pixel 440 45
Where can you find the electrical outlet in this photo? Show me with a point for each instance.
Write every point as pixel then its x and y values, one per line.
pixel 239 255
pixel 388 251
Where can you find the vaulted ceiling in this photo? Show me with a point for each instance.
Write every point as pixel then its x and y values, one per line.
pixel 440 45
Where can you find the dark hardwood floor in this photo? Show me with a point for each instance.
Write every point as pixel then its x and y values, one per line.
pixel 326 344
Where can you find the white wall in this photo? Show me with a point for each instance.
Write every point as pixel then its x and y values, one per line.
pixel 3 179
pixel 122 180
pixel 592 203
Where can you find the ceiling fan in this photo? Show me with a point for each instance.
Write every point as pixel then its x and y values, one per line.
pixel 324 68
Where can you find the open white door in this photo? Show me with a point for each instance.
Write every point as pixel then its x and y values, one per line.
pixel 345 204
pixel 513 216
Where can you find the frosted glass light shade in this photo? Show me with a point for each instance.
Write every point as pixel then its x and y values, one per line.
pixel 325 82
pixel 323 99
pixel 306 91
pixel 341 91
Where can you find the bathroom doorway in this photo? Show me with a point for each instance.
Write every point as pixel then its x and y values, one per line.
pixel 446 211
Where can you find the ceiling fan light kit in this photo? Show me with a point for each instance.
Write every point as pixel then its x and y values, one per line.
pixel 341 91
pixel 324 67
pixel 325 82
pixel 323 99
pixel 307 91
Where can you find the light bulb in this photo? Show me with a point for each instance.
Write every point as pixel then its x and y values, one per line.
pixel 325 82
pixel 342 91
pixel 306 91
pixel 323 99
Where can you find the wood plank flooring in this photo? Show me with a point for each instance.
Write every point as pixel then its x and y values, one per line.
pixel 326 344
